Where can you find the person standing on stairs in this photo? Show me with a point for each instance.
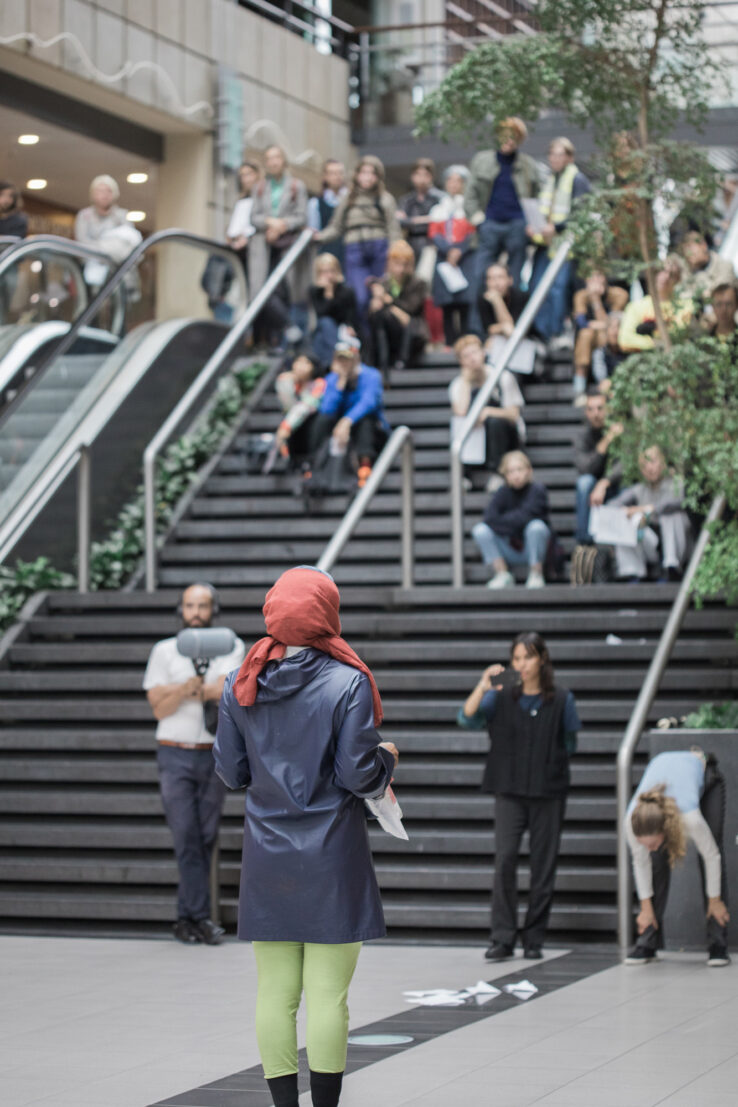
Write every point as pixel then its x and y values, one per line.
pixel 297 730
pixel 192 794
pixel 532 724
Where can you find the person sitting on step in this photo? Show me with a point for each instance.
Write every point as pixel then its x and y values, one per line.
pixel 532 724
pixel 504 429
pixel 599 476
pixel 334 304
pixel 681 795
pixel 300 390
pixel 658 502
pixel 396 311
pixel 516 529
pixel 351 411
pixel 593 305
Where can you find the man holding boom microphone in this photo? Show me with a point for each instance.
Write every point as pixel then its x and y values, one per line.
pixel 183 690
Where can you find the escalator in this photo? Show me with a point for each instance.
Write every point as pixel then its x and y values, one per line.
pixel 104 376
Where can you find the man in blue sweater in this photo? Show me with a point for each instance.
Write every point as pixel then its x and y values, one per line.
pixel 352 410
pixel 498 180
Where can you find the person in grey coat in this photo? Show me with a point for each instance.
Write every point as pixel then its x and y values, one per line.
pixel 657 500
pixel 297 730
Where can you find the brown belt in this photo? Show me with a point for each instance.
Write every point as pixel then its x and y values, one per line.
pixel 186 745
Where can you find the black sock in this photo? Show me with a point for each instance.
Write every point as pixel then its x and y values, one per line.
pixel 325 1088
pixel 284 1090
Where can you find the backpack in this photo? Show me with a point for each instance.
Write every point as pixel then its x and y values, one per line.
pixel 330 475
pixel 592 565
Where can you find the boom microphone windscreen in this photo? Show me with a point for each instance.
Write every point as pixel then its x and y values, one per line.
pixel 205 642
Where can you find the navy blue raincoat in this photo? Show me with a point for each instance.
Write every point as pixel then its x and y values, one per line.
pixel 307 753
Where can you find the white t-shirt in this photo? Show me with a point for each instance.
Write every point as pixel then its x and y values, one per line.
pixel 508 391
pixel 168 666
pixel 240 223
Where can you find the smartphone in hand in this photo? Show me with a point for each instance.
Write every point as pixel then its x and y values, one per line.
pixel 507 679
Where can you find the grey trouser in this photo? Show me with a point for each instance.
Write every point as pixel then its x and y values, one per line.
pixel 632 561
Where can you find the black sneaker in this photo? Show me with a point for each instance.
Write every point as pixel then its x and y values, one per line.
pixel 640 956
pixel 184 931
pixel 208 932
pixel 717 956
pixel 498 952
pixel 532 953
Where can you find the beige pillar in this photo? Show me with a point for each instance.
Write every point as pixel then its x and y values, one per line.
pixel 184 200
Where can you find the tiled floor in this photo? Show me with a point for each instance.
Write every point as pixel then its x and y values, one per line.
pixel 112 1023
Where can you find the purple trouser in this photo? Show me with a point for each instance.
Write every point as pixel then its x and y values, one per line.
pixel 364 260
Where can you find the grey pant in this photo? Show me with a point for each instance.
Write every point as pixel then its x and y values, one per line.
pixel 192 795
pixel 633 561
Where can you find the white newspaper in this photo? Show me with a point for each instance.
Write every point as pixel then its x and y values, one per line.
pixel 388 814
pixel 522 361
pixel 533 217
pixel 475 447
pixel 611 526
pixel 452 276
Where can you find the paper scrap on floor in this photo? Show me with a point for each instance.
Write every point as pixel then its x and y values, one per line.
pixel 481 993
pixel 521 989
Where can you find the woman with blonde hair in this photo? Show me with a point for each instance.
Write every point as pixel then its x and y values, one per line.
pixel 334 304
pixel 516 528
pixel 681 796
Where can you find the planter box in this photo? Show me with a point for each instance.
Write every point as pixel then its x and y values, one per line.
pixel 684 924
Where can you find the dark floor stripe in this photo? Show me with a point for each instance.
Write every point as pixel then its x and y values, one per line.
pixel 247 1088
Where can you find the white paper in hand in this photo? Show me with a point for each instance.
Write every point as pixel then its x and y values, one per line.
pixel 388 814
pixel 611 526
pixel 452 276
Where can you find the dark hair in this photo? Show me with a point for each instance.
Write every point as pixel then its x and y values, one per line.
pixel 326 163
pixel 290 361
pixel 594 390
pixel 535 646
pixel 425 163
pixel 4 185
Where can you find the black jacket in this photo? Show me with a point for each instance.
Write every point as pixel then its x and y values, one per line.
pixel 528 754
pixel 510 510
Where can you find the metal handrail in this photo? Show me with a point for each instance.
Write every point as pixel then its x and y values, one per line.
pixel 117 277
pixel 400 439
pixel 22 246
pixel 639 717
pixel 209 371
pixel 472 417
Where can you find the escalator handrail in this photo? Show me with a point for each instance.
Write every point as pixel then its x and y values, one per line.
pixel 23 246
pixel 116 278
pixel 208 373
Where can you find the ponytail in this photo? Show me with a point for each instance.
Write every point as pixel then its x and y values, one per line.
pixel 657 813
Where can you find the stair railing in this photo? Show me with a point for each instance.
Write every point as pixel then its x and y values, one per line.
pixel 638 718
pixel 207 374
pixel 472 417
pixel 401 439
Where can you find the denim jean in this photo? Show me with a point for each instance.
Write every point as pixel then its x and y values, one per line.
pixel 492 546
pixel 585 484
pixel 364 260
pixel 494 239
pixel 192 795
pixel 324 339
pixel 549 320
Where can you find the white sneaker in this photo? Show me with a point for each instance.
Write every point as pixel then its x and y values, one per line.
pixel 535 580
pixel 501 580
pixel 495 481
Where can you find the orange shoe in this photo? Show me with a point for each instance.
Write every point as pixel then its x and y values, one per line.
pixel 365 471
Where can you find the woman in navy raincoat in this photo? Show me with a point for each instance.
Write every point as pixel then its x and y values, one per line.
pixel 296 728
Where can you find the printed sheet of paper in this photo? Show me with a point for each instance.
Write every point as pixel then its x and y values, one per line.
pixel 452 276
pixel 533 217
pixel 475 447
pixel 612 527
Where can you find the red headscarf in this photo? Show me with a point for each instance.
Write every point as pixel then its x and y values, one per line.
pixel 301 609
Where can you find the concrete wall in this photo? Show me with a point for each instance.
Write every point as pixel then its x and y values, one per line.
pixel 170 50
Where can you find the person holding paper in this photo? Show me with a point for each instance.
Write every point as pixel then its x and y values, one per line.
pixel 516 529
pixel 681 795
pixel 533 724
pixel 597 480
pixel 658 502
pixel 297 730
pixel 454 238
pixel 501 303
pixel 501 420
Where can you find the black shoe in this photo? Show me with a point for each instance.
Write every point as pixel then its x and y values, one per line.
pixel 184 931
pixel 498 952
pixel 717 956
pixel 532 953
pixel 640 956
pixel 208 932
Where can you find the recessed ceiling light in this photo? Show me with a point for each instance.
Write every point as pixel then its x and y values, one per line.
pixel 136 216
pixel 27 140
pixel 137 178
pixel 36 183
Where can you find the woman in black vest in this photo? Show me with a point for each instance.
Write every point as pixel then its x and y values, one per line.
pixel 533 727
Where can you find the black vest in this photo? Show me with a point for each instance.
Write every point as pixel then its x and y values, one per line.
pixel 527 755
pixel 325 212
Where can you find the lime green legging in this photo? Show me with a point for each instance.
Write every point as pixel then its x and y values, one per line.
pixel 323 972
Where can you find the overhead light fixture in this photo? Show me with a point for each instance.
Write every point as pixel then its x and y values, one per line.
pixel 27 140
pixel 136 216
pixel 36 266
pixel 137 178
pixel 36 183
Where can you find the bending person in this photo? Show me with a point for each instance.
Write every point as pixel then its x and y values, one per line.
pixel 297 730
pixel 532 726
pixel 681 795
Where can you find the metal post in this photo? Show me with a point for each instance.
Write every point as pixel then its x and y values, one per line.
pixel 640 715
pixel 84 516
pixel 456 468
pixel 408 514
pixel 215 883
